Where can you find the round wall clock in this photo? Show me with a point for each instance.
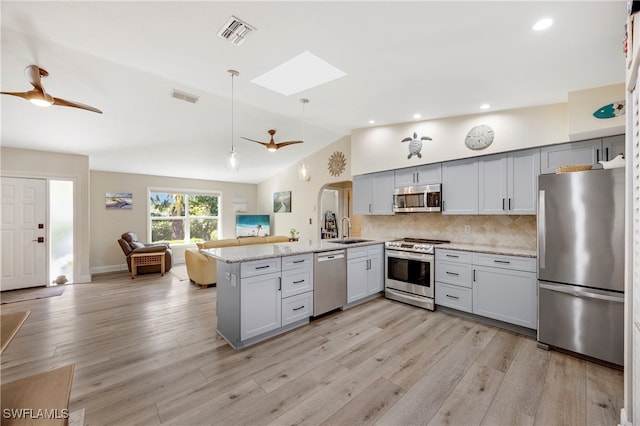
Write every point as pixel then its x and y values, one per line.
pixel 337 163
pixel 479 137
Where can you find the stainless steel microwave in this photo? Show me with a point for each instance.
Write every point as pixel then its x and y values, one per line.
pixel 424 198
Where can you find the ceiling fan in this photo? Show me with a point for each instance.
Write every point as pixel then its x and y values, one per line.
pixel 39 97
pixel 272 146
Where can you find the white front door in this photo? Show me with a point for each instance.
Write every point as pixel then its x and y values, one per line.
pixel 24 250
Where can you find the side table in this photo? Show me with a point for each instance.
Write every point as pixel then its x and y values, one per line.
pixel 144 259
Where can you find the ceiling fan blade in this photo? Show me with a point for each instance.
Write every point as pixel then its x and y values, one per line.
pixel 33 74
pixel 253 140
pixel 281 144
pixel 62 102
pixel 23 95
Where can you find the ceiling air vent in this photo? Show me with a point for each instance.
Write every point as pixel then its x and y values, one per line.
pixel 184 96
pixel 236 30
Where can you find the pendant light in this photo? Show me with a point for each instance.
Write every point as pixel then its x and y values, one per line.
pixel 233 158
pixel 304 172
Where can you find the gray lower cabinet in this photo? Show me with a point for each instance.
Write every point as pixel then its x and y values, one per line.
pixel 491 285
pixel 365 272
pixel 262 298
pixel 260 305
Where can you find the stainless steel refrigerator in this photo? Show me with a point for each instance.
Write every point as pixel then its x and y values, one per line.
pixel 581 263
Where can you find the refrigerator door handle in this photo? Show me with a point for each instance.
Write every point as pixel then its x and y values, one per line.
pixel 542 229
pixel 582 293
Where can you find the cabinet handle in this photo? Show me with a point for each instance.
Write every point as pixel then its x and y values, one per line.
pixel 509 203
pixel 298 261
pixel 298 282
pixel 503 204
pixel 453 297
pixel 279 283
pixel 369 207
pixel 597 155
pixel 606 153
pixel 297 309
pixel 262 267
pixel 452 255
pixel 474 275
pixel 506 262
pixel 443 204
pixel 453 273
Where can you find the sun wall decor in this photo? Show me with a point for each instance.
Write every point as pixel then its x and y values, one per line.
pixel 337 163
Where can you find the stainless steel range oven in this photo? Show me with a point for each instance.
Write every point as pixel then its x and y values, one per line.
pixel 409 271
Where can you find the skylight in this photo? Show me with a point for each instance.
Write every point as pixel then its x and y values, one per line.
pixel 299 73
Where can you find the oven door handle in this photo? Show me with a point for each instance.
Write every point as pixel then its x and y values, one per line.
pixel 410 256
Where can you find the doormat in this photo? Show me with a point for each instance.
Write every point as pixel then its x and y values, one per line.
pixel 12 296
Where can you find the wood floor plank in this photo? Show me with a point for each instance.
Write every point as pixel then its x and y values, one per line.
pixel 499 413
pixel 605 398
pixel 563 399
pixel 421 402
pixel 528 367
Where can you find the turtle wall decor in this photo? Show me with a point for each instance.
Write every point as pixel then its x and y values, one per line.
pixel 415 144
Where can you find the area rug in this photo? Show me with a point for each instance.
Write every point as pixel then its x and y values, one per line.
pixel 12 296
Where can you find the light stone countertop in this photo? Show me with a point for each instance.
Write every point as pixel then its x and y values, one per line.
pixel 482 248
pixel 246 253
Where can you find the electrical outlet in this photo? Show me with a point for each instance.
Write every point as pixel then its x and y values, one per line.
pixel 467 229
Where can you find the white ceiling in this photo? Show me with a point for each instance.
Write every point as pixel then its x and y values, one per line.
pixel 436 58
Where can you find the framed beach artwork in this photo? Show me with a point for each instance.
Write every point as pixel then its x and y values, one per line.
pixel 118 200
pixel 282 202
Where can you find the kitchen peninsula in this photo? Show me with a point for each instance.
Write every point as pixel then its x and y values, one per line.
pixel 267 289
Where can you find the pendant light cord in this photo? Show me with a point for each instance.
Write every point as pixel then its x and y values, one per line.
pixel 232 106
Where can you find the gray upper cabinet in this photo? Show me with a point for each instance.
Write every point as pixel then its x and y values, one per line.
pixel 577 153
pixel 612 146
pixel 373 193
pixel 507 183
pixel 460 186
pixel 420 175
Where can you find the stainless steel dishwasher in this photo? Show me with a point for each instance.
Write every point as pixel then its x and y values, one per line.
pixel 329 281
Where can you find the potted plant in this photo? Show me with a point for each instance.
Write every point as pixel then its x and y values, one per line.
pixel 293 234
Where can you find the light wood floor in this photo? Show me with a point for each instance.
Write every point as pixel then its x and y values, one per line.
pixel 146 352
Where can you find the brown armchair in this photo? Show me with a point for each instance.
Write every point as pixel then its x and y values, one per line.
pixel 129 244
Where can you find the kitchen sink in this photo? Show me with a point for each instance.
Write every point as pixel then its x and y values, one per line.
pixel 349 241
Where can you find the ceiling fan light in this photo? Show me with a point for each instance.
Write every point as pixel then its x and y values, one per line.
pixel 233 160
pixel 40 99
pixel 272 149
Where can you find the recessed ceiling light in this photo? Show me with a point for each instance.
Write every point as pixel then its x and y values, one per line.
pixel 485 106
pixel 542 24
pixel 372 121
pixel 299 73
pixel 417 115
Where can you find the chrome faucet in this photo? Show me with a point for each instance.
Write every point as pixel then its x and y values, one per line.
pixel 348 227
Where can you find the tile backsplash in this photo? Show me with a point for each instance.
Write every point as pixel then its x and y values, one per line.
pixel 504 231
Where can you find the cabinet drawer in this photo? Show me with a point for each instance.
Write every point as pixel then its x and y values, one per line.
pixel 454 297
pixel 454 273
pixel 518 263
pixel 354 252
pixel 298 307
pixel 296 281
pixel 259 267
pixel 454 255
pixel 298 261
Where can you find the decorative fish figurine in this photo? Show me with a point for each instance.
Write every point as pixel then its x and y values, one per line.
pixel 415 145
pixel 612 110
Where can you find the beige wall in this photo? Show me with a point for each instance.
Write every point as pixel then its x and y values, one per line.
pixel 582 105
pixel 108 225
pixel 15 162
pixel 379 148
pixel 305 196
pixel 503 231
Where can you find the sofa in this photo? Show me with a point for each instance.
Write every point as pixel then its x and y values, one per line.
pixel 130 245
pixel 203 269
